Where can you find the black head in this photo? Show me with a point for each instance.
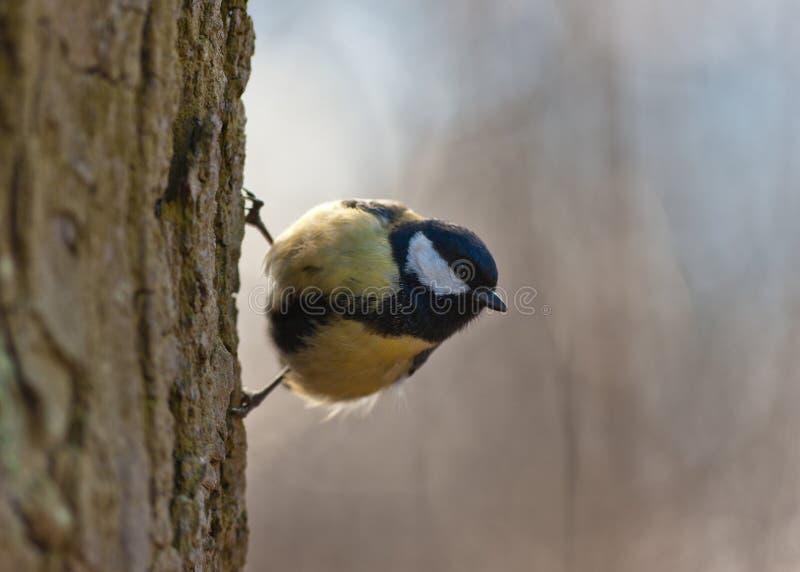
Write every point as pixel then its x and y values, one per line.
pixel 446 272
pixel 446 258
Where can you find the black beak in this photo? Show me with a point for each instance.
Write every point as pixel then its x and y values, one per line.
pixel 489 299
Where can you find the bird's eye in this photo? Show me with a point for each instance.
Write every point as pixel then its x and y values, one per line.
pixel 464 270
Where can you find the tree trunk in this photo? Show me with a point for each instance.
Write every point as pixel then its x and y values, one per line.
pixel 121 152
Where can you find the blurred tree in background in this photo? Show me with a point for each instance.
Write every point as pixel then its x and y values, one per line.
pixel 637 162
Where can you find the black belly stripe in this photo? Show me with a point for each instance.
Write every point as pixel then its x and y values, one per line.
pixel 291 326
pixel 402 315
pixel 399 315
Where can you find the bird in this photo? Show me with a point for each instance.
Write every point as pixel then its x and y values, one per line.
pixel 362 291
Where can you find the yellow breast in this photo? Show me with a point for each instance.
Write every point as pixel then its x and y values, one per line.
pixel 345 361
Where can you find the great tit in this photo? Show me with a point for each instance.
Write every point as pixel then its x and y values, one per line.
pixel 361 292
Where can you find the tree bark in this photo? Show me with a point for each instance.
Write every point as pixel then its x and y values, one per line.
pixel 121 153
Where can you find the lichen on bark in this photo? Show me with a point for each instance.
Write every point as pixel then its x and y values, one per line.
pixel 121 153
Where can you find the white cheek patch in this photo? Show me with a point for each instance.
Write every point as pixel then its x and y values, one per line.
pixel 431 269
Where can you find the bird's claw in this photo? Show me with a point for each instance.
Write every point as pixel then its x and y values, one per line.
pixel 245 405
pixel 253 215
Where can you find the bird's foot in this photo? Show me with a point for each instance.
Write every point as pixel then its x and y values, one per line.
pixel 253 215
pixel 248 402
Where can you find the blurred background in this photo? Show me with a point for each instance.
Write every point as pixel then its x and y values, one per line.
pixel 637 163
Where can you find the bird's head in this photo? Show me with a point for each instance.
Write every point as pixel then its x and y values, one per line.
pixel 449 265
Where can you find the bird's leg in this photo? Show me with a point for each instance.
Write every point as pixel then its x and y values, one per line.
pixel 253 215
pixel 252 400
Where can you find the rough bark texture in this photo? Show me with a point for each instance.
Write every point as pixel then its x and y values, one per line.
pixel 121 151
